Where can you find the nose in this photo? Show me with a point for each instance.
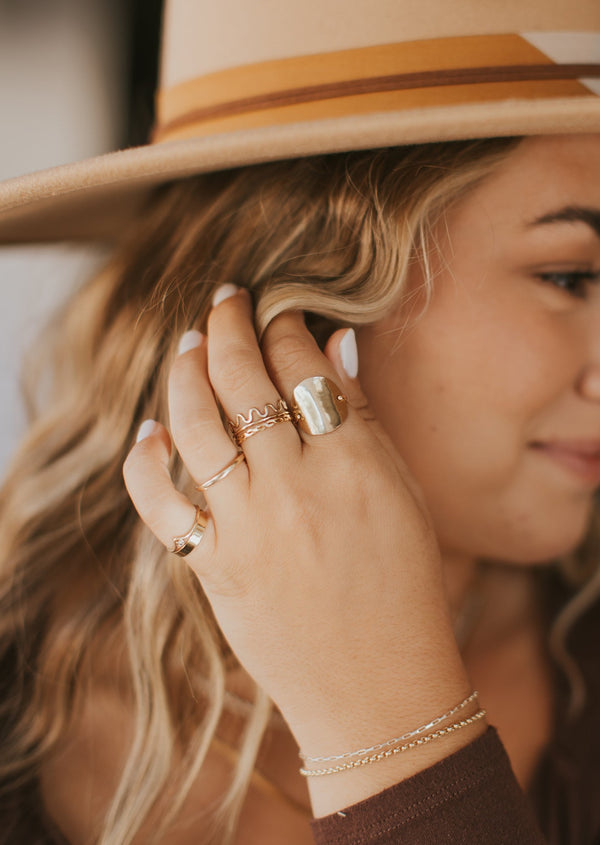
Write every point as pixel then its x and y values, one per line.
pixel 589 380
pixel 589 383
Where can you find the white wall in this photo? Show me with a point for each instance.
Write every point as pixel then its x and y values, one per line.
pixel 61 66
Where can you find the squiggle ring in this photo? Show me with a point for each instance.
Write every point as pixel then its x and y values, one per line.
pixel 247 425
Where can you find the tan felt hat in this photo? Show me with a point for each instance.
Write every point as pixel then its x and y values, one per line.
pixel 247 81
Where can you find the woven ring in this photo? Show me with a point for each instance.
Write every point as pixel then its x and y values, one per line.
pixel 223 473
pixel 255 420
pixel 185 544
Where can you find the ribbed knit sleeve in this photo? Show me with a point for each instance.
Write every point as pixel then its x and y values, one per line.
pixel 469 798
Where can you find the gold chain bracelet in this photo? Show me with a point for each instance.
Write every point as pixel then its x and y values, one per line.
pixel 397 740
pixel 398 749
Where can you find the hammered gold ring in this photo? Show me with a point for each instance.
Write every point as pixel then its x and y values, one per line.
pixel 185 544
pixel 255 420
pixel 319 407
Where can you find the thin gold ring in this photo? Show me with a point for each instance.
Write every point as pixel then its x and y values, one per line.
pixel 185 544
pixel 247 425
pixel 223 473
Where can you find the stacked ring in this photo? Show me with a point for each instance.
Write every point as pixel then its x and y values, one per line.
pixel 245 426
pixel 319 408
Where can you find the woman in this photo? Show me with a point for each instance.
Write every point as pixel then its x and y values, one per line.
pixel 366 556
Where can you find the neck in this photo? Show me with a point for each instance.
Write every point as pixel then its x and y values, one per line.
pixel 460 578
pixel 489 602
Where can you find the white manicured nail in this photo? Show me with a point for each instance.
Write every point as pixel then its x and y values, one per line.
pixel 349 353
pixel 224 292
pixel 189 340
pixel 147 428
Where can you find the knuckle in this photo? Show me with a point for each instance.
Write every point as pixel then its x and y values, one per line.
pixel 234 371
pixel 151 510
pixel 193 432
pixel 293 509
pixel 186 371
pixel 180 370
pixel 136 460
pixel 287 354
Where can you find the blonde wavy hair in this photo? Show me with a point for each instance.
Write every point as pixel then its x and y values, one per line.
pixel 331 235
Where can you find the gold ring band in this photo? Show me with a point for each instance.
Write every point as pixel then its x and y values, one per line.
pixel 185 544
pixel 247 425
pixel 319 407
pixel 219 476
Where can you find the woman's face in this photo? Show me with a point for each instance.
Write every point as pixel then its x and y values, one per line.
pixel 492 396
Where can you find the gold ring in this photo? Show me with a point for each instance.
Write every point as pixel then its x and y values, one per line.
pixel 219 476
pixel 319 405
pixel 183 545
pixel 247 425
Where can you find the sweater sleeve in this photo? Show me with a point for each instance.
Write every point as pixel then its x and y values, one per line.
pixel 468 798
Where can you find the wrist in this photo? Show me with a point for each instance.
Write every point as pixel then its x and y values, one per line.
pixel 332 793
pixel 386 699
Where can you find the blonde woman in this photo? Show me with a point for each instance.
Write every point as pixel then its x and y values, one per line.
pixel 355 399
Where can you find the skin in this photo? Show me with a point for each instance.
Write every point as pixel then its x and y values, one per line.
pixel 446 475
pixel 499 360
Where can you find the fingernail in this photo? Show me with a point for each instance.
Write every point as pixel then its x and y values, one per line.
pixel 189 340
pixel 147 428
pixel 349 353
pixel 224 292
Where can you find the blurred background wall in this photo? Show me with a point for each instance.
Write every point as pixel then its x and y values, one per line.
pixel 76 80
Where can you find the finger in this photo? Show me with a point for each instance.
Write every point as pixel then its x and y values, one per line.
pixel 342 351
pixel 166 511
pixel 292 355
pixel 201 440
pixel 239 378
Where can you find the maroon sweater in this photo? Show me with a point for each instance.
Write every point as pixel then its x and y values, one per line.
pixel 470 797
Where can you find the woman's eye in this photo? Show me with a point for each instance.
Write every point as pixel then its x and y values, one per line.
pixel 573 282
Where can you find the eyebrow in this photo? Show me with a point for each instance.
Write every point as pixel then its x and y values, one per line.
pixel 571 214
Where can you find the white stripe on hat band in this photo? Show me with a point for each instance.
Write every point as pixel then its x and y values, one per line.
pixel 569 47
pixel 566 47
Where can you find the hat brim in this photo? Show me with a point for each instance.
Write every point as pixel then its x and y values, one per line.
pixel 93 200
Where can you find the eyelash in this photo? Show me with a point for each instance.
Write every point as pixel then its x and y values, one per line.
pixel 582 278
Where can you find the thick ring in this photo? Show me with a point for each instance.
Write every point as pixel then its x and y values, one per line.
pixel 245 426
pixel 319 405
pixel 182 546
pixel 219 476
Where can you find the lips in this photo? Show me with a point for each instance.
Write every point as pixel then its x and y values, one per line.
pixel 579 457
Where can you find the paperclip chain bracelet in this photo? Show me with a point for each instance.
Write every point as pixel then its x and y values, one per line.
pixel 362 752
pixel 398 749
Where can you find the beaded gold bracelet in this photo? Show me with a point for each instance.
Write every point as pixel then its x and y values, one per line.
pixel 397 749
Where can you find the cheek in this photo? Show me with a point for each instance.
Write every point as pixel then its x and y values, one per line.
pixel 469 393
pixel 462 398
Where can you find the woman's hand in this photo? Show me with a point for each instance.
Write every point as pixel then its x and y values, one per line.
pixel 319 558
